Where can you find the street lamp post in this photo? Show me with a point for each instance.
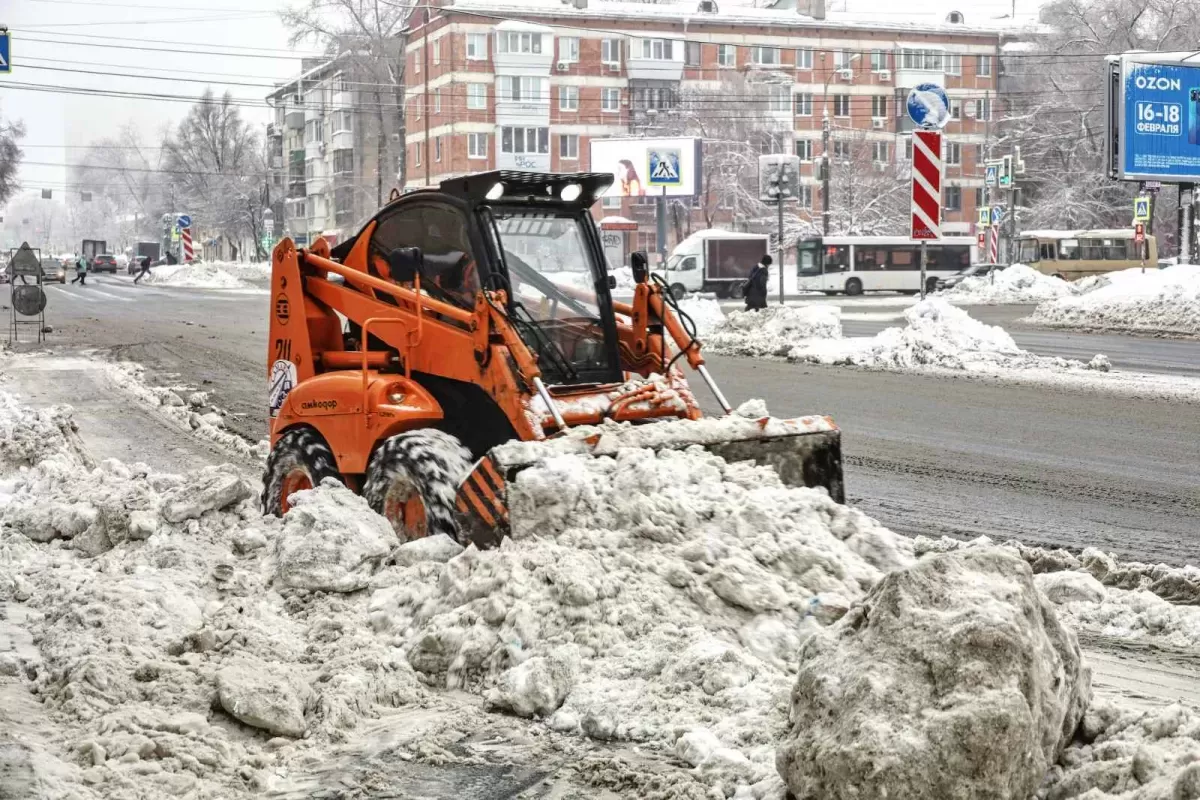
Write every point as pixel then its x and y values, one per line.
pixel 826 162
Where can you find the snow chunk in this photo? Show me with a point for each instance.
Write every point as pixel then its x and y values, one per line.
pixel 1015 284
pixel 331 541
pixel 952 678
pixel 206 490
pixel 440 548
pixel 262 695
pixel 536 687
pixel 1149 301
pixel 774 331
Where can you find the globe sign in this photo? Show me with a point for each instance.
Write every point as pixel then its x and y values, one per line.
pixel 928 106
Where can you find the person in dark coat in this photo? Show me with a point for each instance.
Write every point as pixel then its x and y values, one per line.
pixel 756 285
pixel 143 268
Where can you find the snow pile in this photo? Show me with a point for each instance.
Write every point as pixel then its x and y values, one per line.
pixel 201 275
pixel 251 272
pixel 705 312
pixel 29 436
pixel 1131 755
pixel 1015 284
pixel 774 331
pixel 952 678
pixel 938 335
pixel 1155 301
pixel 189 409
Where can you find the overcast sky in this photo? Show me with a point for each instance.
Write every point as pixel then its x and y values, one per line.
pixel 52 35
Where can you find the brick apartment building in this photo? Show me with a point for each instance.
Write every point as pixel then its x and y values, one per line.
pixel 527 86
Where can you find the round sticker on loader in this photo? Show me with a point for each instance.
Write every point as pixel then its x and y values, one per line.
pixel 283 310
pixel 282 381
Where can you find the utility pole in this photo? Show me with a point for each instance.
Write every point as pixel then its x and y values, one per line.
pixel 825 166
pixel 1185 222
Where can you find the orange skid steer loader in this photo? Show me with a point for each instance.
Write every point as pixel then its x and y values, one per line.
pixel 469 315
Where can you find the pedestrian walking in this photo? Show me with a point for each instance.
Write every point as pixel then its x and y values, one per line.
pixel 144 268
pixel 756 285
pixel 81 268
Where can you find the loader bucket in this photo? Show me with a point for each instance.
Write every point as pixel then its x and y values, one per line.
pixel 805 451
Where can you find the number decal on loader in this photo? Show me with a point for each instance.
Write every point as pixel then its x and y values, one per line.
pixel 283 349
pixel 283 380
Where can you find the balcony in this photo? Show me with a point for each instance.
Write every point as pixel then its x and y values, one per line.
pixel 296 190
pixel 294 119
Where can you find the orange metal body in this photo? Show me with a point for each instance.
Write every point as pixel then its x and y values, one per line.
pixel 357 398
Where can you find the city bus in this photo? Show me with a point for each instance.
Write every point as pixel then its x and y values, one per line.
pixel 1077 254
pixel 857 264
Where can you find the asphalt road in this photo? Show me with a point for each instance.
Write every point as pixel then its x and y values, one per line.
pixel 925 455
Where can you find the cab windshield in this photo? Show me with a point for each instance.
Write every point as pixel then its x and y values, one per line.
pixel 555 301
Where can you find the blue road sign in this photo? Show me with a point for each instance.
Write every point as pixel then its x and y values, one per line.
pixel 1141 209
pixel 184 221
pixel 5 52
pixel 928 106
pixel 997 214
pixel 991 175
pixel 1160 127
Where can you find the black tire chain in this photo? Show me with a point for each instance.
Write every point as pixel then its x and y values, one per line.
pixel 302 447
pixel 434 461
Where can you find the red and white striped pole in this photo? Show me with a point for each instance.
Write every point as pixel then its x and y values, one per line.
pixel 994 244
pixel 926 193
pixel 188 253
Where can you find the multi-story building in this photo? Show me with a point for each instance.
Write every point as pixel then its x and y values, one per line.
pixel 496 84
pixel 324 148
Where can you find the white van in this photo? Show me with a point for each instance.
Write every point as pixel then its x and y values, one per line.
pixel 714 260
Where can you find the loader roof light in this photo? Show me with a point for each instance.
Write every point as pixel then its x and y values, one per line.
pixel 571 192
pixel 496 192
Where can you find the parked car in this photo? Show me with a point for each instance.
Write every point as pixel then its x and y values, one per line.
pixel 973 271
pixel 104 262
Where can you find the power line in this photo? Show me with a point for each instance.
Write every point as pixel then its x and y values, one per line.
pixel 106 5
pixel 209 18
pixel 190 51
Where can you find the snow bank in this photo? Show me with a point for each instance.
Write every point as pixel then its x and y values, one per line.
pixel 203 275
pixel 252 272
pixel 705 312
pixel 952 678
pixel 188 409
pixel 1015 284
pixel 774 331
pixel 1155 301
pixel 938 336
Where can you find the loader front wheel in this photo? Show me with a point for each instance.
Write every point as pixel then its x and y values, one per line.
pixel 412 480
pixel 299 460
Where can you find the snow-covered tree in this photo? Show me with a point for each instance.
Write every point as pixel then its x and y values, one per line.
pixel 217 165
pixel 868 194
pixel 122 175
pixel 10 157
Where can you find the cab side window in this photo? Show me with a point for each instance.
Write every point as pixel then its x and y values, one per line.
pixel 440 231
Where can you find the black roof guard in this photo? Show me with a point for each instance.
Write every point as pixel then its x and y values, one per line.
pixel 529 186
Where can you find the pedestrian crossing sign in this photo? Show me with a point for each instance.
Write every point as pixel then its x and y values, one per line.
pixel 5 52
pixel 985 217
pixel 1141 209
pixel 664 167
pixel 991 175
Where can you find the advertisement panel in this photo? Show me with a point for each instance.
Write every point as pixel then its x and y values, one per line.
pixel 648 167
pixel 1157 121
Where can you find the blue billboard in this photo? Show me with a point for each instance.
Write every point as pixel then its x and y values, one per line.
pixel 1159 129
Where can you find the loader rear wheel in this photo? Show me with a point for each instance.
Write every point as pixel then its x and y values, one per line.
pixel 412 480
pixel 299 460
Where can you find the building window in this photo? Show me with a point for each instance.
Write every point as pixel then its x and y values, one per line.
pixel 841 105
pixel 477 145
pixel 610 99
pixel 779 98
pixel 878 61
pixel 343 162
pixel 513 42
pixel 726 55
pixel 610 51
pixel 476 96
pixel 978 154
pixel 879 152
pixel 343 120
pixel 953 154
pixel 657 49
pixel 841 150
pixel 767 56
pixel 953 198
pixel 476 46
pixel 523 88
pixel 312 131
pixel 804 149
pixel 692 54
pixel 437 101
pixel 805 196
pixel 983 66
pixel 953 63
pixel 524 140
pixel 841 59
pixel 568 146
pixel 417 154
pixel 979 198
pixel 804 59
pixel 879 105
pixel 908 148
pixel 568 98
pixel 568 48
pixel 659 99
pixel 437 148
pixel 299 210
pixel 417 54
pixel 437 52
pixel 928 60
pixel 983 108
pixel 803 104
pixel 955 108
pixel 310 169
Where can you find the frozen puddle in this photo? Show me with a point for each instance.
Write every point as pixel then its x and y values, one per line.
pixel 1146 676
